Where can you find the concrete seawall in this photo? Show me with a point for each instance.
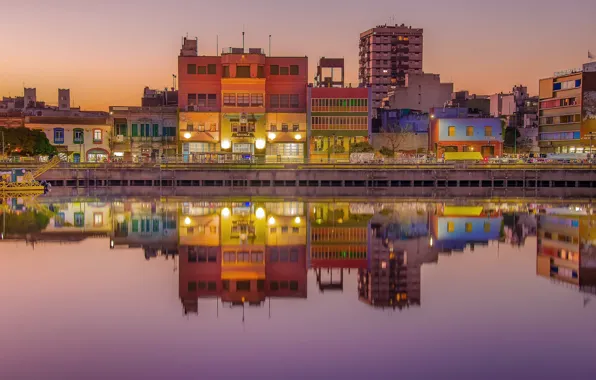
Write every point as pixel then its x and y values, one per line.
pixel 329 182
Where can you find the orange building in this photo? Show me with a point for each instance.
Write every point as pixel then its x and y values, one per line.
pixel 242 102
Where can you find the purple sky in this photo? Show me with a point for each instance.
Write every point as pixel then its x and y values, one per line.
pixel 107 51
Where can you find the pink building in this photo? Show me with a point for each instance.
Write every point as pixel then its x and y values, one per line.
pixel 387 54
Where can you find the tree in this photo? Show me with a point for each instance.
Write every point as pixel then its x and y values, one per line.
pixel 511 136
pixel 394 137
pixel 361 147
pixel 26 142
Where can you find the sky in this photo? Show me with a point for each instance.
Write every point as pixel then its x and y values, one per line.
pixel 107 51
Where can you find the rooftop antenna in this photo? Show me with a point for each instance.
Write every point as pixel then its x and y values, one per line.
pixel 242 37
pixel 270 45
pixel 217 44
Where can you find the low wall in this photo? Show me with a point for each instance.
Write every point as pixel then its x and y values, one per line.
pixel 329 182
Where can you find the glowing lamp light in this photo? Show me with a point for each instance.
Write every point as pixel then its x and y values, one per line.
pixel 297 136
pixel 260 144
pixel 271 221
pixel 260 213
pixel 297 220
pixel 226 144
pixel 187 221
pixel 120 218
pixel 187 135
pixel 271 136
pixel 225 212
pixel 432 116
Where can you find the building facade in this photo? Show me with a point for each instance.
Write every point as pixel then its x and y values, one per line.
pixel 337 119
pixel 466 134
pixel 242 102
pixel 142 133
pixel 567 111
pixel 77 138
pixel 420 92
pixel 387 54
pixel 402 130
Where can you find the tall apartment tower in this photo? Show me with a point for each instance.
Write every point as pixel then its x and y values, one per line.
pixel 387 54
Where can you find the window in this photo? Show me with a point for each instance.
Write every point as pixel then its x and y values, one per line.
pixel 488 131
pixel 192 99
pixel 450 227
pixel 284 70
pixel 294 70
pixel 295 127
pixel 243 257
pixel 261 72
pixel 242 71
pixel 283 255
pixel 256 257
pixel 284 230
pixel 274 70
pixel 202 100
pixel 191 68
pixel 486 227
pixel 192 286
pixel 469 131
pixel 294 255
pixel 234 127
pixel 243 100
pixel 155 130
pixel 295 230
pixel 243 286
pixel 273 256
pixel 294 285
pixel 274 101
pixel 229 257
pixel 211 69
pixel 135 130
pixel 256 100
pixel 201 127
pixel 211 100
pixel 261 285
pixel 226 71
pixel 273 128
pixel 79 219
pixel 211 286
pixel 59 220
pixel 97 136
pixel 202 70
pixel 451 131
pixel 274 286
pixel 284 101
pixel 468 227
pixel 294 101
pixel 121 129
pixel 229 100
pixel 98 219
pixel 58 135
pixel 78 136
pixel 284 128
pixel 225 284
pixel 283 284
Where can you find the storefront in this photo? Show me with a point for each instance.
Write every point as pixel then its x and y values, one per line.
pixel 97 155
pixel 285 151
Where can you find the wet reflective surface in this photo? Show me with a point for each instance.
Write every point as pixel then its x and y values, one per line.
pixel 188 289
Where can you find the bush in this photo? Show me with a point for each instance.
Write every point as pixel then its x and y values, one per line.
pixel 387 152
pixel 361 147
pixel 337 149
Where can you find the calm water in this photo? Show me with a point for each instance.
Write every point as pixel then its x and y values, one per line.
pixel 140 289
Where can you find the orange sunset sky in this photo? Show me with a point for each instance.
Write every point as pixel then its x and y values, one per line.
pixel 107 51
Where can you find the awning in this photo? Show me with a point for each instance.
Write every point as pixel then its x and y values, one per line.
pixel 463 210
pixel 463 156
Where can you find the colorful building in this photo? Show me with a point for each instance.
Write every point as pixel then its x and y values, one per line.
pixel 566 251
pixel 338 118
pixel 242 102
pixel 77 138
pixel 567 111
pixel 453 228
pixel 141 133
pixel 242 252
pixel 465 134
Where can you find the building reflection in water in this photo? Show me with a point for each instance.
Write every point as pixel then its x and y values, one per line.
pixel 566 252
pixel 243 253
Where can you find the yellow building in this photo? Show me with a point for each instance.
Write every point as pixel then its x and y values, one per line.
pixel 286 136
pixel 199 133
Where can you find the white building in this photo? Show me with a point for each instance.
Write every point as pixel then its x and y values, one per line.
pixel 421 92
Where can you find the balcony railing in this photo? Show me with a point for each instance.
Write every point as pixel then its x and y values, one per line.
pixel 231 50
